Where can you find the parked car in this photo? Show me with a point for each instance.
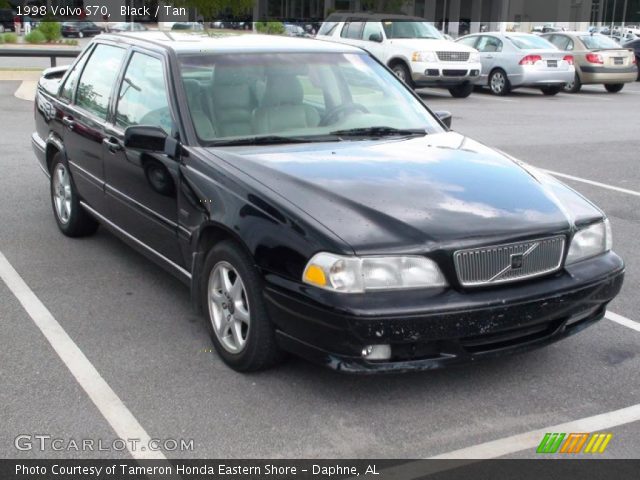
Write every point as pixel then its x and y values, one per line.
pixel 80 29
pixel 414 49
pixel 292 30
pixel 513 60
pixel 192 26
pixel 635 46
pixel 329 212
pixel 128 27
pixel 598 59
pixel 6 20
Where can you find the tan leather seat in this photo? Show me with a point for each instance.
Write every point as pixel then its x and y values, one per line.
pixel 232 101
pixel 282 106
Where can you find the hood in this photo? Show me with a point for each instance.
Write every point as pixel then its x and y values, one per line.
pixel 411 194
pixel 425 44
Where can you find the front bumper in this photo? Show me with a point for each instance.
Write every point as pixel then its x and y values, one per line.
pixel 428 331
pixel 444 74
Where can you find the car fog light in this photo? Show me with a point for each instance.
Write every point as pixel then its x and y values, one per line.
pixel 376 352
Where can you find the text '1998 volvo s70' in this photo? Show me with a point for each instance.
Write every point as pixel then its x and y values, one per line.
pixel 315 205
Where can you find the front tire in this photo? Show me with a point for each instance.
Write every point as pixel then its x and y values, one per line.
pixel 550 90
pixel 237 320
pixel 72 219
pixel 402 72
pixel 461 91
pixel 614 87
pixel 499 83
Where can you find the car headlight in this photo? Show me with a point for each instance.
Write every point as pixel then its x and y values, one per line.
pixel 474 57
pixel 359 274
pixel 424 57
pixel 590 241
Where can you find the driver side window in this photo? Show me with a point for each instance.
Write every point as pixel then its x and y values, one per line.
pixel 489 44
pixel 143 95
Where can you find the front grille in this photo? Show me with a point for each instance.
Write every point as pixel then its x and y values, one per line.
pixel 453 56
pixel 508 262
pixel 454 73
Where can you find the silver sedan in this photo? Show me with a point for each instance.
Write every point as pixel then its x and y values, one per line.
pixel 511 60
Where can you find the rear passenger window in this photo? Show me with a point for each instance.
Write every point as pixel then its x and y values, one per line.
pixel 70 83
pixel 96 82
pixel 143 94
pixel 489 44
pixel 562 42
pixel 352 30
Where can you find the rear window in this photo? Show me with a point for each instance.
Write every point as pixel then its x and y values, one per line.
pixel 531 42
pixel 598 41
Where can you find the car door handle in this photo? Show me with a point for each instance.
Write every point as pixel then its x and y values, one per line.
pixel 68 122
pixel 112 144
pixel 488 56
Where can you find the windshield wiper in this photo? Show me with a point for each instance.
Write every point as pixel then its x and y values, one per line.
pixel 379 132
pixel 264 140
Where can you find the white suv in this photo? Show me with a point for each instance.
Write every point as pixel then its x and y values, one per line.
pixel 411 47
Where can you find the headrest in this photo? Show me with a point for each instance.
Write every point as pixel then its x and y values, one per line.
pixel 192 89
pixel 223 75
pixel 283 90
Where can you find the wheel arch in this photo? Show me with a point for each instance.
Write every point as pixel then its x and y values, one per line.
pixel 54 145
pixel 208 235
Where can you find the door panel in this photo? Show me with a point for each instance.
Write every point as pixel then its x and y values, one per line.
pixel 83 122
pixel 141 187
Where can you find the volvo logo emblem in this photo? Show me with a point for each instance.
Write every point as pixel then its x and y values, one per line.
pixel 517 260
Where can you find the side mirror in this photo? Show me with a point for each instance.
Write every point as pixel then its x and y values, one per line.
pixel 151 139
pixel 445 117
pixel 375 37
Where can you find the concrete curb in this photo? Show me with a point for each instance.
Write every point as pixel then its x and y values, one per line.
pixel 14 75
pixel 27 90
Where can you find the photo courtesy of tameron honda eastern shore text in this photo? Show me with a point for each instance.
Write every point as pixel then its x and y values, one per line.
pixel 315 204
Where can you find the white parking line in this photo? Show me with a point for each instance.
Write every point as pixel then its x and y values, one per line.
pixel 592 182
pixel 614 317
pixel 114 411
pixel 530 440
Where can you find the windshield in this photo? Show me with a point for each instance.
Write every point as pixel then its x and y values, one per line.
pixel 598 41
pixel 405 29
pixel 531 42
pixel 300 96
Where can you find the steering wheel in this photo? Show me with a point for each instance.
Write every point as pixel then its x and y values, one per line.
pixel 332 115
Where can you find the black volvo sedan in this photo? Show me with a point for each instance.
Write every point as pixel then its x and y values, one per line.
pixel 315 205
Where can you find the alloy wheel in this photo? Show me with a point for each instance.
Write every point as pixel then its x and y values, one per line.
pixel 228 307
pixel 62 194
pixel 498 82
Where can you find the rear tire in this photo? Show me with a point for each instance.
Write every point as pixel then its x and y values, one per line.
pixel 614 87
pixel 575 86
pixel 461 91
pixel 237 318
pixel 72 219
pixel 550 90
pixel 402 72
pixel 499 82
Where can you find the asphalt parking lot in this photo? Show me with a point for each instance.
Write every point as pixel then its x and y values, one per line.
pixel 134 324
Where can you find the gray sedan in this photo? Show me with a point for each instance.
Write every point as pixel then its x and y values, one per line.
pixel 511 60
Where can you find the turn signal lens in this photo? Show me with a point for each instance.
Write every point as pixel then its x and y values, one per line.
pixel 594 58
pixel 568 59
pixel 530 60
pixel 315 276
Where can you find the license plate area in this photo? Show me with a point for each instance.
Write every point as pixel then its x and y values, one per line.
pixel 618 60
pixel 552 63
